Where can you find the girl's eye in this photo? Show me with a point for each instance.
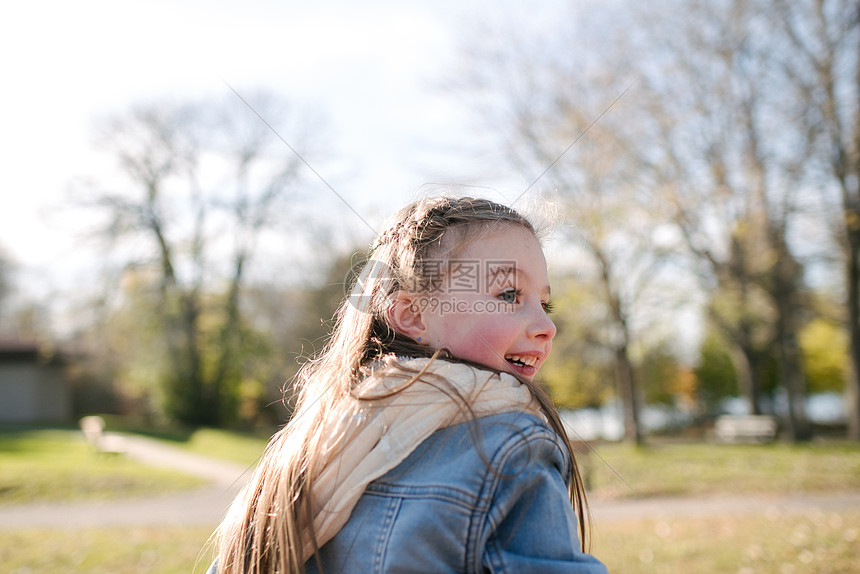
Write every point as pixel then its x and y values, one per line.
pixel 547 307
pixel 509 295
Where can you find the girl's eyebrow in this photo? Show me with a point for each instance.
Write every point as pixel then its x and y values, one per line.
pixel 511 270
pixel 505 270
pixel 499 275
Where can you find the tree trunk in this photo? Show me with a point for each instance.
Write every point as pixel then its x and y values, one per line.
pixel 625 376
pixel 746 363
pixel 852 222
pixel 853 276
pixel 785 282
pixel 629 396
pixel 795 387
pixel 196 411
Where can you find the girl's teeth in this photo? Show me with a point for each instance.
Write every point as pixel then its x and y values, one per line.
pixel 528 361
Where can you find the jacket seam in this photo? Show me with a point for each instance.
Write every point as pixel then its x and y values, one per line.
pixel 455 496
pixel 384 537
pixel 530 433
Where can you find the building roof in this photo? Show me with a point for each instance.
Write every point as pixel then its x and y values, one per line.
pixel 17 351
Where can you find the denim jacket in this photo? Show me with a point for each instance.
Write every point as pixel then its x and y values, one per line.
pixel 488 496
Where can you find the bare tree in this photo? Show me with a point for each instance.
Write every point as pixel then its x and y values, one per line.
pixel 725 156
pixel 712 140
pixel 199 185
pixel 821 64
pixel 563 118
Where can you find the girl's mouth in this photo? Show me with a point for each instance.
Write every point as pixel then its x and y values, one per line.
pixel 523 364
pixel 521 360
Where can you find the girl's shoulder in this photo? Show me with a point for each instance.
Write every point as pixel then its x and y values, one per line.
pixel 469 454
pixel 493 435
pixel 521 439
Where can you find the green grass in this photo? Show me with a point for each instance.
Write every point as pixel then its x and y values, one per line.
pixel 54 465
pixel 621 471
pixel 236 447
pixel 244 448
pixel 772 544
pixel 105 550
pixel 50 465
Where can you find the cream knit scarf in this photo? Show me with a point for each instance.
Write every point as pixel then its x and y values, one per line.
pixel 389 417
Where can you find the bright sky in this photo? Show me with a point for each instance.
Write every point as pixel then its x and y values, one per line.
pixel 371 68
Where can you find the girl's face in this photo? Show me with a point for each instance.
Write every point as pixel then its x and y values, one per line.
pixel 493 302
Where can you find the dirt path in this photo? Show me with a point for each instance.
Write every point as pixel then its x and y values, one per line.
pixel 206 506
pixel 229 475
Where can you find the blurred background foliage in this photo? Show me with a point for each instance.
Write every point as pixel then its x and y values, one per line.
pixel 710 246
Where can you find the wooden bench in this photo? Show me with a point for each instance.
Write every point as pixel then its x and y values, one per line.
pixel 746 428
pixel 103 443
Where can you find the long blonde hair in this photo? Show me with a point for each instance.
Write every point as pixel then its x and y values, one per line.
pixel 265 528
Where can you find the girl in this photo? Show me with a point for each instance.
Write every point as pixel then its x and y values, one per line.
pixel 420 441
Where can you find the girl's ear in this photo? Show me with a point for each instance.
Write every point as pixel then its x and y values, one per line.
pixel 404 316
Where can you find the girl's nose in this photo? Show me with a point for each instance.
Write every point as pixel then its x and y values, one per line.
pixel 541 325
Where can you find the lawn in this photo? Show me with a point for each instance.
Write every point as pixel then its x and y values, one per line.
pixel 750 544
pixel 105 550
pixel 235 447
pixel 244 448
pixel 51 465
pixel 696 469
pixel 660 469
pixel 772 544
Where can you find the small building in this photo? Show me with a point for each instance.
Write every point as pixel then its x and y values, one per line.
pixel 33 385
